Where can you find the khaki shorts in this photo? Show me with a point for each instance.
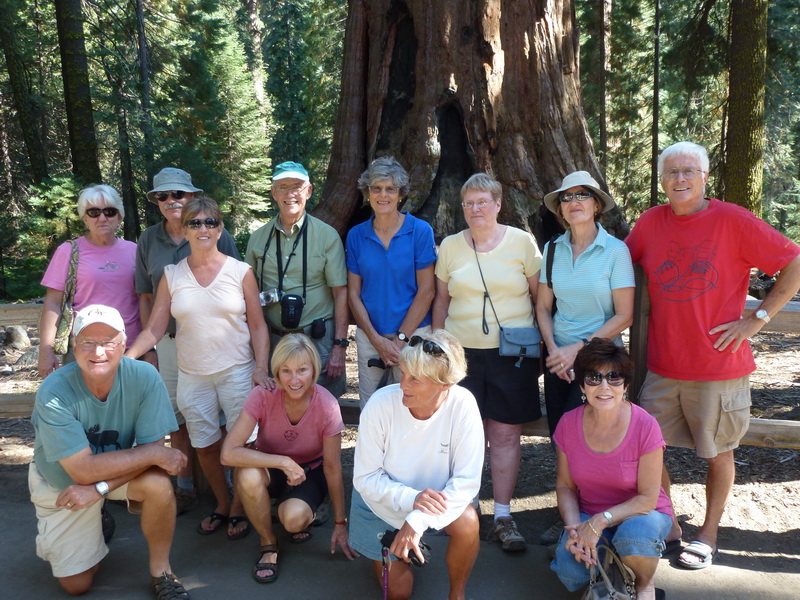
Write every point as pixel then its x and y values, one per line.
pixel 710 416
pixel 70 540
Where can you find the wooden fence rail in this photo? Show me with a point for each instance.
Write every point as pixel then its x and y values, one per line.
pixel 772 433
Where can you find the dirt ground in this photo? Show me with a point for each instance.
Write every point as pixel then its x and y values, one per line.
pixel 760 528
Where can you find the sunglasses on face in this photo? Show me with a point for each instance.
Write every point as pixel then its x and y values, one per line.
pixel 108 211
pixel 197 223
pixel 428 347
pixel 594 378
pixel 163 196
pixel 579 196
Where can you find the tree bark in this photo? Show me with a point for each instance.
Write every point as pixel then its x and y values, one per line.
pixel 744 141
pixel 77 93
pixel 654 150
pixel 451 88
pixel 25 107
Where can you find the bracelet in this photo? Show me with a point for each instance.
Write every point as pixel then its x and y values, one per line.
pixel 340 522
pixel 589 523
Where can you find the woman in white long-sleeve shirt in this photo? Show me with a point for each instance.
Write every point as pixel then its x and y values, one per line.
pixel 418 464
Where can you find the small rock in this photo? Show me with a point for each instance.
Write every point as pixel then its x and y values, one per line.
pixel 6 370
pixel 17 337
pixel 29 359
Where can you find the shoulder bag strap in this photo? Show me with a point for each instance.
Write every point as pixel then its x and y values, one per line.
pixel 486 296
pixel 72 276
pixel 550 258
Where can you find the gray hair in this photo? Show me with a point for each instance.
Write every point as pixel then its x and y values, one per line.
pixel 381 169
pixel 687 149
pixel 98 196
pixel 482 182
pixel 445 369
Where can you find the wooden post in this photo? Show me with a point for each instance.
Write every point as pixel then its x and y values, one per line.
pixel 638 337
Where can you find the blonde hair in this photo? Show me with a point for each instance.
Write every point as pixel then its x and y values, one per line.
pixel 445 369
pixel 482 182
pixel 295 346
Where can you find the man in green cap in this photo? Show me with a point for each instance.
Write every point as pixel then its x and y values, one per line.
pixel 299 264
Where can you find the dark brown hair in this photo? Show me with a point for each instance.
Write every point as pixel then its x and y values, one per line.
pixel 601 353
pixel 200 204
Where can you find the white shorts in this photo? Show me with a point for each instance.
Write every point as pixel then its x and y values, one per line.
pixel 202 397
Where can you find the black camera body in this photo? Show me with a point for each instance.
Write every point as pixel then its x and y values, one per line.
pixel 388 538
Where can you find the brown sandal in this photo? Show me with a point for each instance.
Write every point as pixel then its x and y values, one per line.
pixel 263 566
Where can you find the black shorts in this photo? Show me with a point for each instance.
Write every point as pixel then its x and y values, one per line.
pixel 312 491
pixel 505 393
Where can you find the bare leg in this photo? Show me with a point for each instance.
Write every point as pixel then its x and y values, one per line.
pixel 295 515
pixel 644 568
pixel 462 551
pixel 675 532
pixel 209 458
pixel 252 485
pixel 719 483
pixel 78 584
pixel 180 441
pixel 401 579
pixel 153 489
pixel 504 456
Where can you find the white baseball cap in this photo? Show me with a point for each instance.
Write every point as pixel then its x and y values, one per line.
pixel 97 313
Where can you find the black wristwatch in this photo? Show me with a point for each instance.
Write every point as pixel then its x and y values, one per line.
pixel 343 342
pixel 402 337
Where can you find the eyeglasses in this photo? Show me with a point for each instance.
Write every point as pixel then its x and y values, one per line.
pixel 108 211
pixel 91 346
pixel 391 190
pixel 594 378
pixel 579 196
pixel 197 223
pixel 289 190
pixel 163 196
pixel 479 204
pixel 686 172
pixel 428 347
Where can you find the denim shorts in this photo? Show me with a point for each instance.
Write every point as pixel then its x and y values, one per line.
pixel 638 536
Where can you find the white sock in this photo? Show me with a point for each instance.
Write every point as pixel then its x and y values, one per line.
pixel 501 510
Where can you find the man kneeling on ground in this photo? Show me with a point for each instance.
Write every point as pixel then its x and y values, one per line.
pixel 87 417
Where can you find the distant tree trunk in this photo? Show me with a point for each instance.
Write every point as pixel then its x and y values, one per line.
pixel 26 109
pixel 131 222
pixel 6 173
pixel 654 149
pixel 603 15
pixel 256 41
pixel 744 140
pixel 451 88
pixel 152 214
pixel 77 94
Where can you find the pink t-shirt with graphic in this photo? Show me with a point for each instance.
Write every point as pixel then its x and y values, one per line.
pixel 301 442
pixel 105 276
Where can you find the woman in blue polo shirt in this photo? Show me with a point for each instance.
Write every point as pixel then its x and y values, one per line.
pixel 390 282
pixel 592 286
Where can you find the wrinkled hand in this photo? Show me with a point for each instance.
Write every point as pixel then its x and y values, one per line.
pixel 582 542
pixel 340 537
pixel 406 540
pixel 295 474
pixel 76 497
pixel 431 502
pixel 560 361
pixel 261 377
pixel 388 351
pixel 735 333
pixel 48 361
pixel 171 460
pixel 335 366
pixel 151 356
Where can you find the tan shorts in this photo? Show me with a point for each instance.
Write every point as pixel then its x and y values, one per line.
pixel 70 540
pixel 711 416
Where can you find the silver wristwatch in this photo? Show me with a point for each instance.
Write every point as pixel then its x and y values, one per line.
pixel 102 488
pixel 763 315
pixel 609 517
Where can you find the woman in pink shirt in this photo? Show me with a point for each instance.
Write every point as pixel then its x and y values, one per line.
pixel 610 454
pixel 297 454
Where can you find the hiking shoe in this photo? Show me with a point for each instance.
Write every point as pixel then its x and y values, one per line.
pixel 168 587
pixel 185 501
pixel 552 535
pixel 505 531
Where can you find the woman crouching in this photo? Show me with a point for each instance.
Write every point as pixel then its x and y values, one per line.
pixel 610 455
pixel 424 433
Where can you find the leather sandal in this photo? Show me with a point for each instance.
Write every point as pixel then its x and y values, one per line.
pixel 263 566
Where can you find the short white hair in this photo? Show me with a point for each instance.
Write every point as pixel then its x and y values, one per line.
pixel 99 195
pixel 688 149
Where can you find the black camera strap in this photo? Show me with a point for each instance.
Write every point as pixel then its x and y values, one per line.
pixel 279 257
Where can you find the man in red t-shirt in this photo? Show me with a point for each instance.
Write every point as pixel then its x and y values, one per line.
pixel 697 253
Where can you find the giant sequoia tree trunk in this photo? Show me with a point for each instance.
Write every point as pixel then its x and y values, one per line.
pixel 451 88
pixel 744 135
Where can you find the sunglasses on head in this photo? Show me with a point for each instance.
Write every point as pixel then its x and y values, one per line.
pixel 197 223
pixel 108 211
pixel 594 378
pixel 428 347
pixel 163 196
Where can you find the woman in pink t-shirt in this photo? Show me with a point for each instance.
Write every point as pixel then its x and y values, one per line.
pixel 106 266
pixel 297 455
pixel 610 454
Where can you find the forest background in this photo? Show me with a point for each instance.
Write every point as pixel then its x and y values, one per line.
pixel 113 90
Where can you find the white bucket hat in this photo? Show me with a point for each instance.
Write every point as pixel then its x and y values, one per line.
pixel 169 179
pixel 583 179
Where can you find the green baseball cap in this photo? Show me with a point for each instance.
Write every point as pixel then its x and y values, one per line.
pixel 289 169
